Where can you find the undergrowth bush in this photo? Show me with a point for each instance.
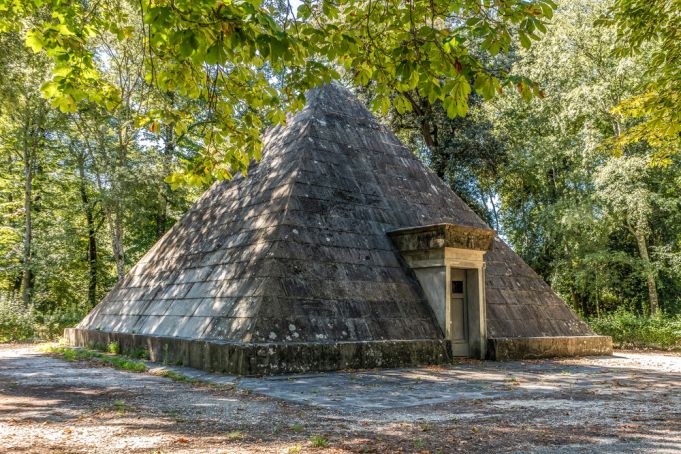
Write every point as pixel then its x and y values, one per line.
pixel 51 326
pixel 17 322
pixel 21 323
pixel 628 329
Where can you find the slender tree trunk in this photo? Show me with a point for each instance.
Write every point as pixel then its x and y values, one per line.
pixel 495 213
pixel 27 278
pixel 578 302
pixel 117 220
pixel 117 243
pixel 650 274
pixel 88 210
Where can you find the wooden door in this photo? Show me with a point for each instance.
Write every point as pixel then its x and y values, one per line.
pixel 458 305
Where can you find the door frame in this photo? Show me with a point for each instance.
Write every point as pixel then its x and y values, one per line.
pixel 473 263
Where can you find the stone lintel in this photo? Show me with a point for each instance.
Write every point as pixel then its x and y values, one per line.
pixel 513 348
pixel 241 358
pixel 439 236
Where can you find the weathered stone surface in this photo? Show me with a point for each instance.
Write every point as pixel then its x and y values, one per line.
pixel 269 358
pixel 512 348
pixel 439 236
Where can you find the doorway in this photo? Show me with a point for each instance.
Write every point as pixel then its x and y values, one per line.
pixel 459 328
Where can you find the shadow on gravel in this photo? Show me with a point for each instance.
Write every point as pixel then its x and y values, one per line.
pixel 539 406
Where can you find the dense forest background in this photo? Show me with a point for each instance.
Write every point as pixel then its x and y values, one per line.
pixel 84 192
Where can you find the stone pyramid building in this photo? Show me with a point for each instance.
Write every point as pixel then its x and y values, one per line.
pixel 339 250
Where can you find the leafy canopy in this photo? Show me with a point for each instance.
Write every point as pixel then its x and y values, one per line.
pixel 652 26
pixel 250 62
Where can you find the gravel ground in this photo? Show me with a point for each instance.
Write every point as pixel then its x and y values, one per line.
pixel 630 402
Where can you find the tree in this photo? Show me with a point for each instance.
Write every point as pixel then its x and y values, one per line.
pixel 553 210
pixel 651 27
pixel 623 185
pixel 26 116
pixel 224 52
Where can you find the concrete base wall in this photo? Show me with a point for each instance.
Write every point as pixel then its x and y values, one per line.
pixel 510 348
pixel 266 359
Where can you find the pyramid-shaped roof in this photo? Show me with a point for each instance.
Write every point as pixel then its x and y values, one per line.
pixel 298 252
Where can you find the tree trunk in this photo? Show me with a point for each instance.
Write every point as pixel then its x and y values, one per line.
pixel 117 243
pixel 650 274
pixel 27 278
pixel 495 213
pixel 88 210
pixel 117 227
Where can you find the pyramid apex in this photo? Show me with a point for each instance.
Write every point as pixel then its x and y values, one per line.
pixel 334 98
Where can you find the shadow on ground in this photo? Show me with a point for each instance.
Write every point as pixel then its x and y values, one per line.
pixel 625 403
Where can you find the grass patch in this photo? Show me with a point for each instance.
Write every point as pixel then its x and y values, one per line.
pixel 630 330
pixel 293 449
pixel 82 354
pixel 121 407
pixel 235 435
pixel 139 353
pixel 319 441
pixel 297 427
pixel 176 376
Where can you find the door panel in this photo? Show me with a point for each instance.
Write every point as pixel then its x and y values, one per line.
pixel 458 313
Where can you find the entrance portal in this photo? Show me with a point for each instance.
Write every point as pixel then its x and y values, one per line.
pixel 448 261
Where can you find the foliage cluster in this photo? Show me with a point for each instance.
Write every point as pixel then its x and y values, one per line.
pixel 651 28
pixel 629 329
pixel 224 54
pixel 17 322
pixel 21 323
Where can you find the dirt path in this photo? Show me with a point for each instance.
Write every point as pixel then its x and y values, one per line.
pixel 627 403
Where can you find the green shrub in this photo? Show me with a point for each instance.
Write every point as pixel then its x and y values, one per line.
pixel 628 329
pixel 140 353
pixel 51 325
pixel 114 348
pixel 17 322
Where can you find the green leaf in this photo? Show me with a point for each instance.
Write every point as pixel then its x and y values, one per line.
pixel 34 40
pixel 215 54
pixel 524 40
pixel 402 104
pixel 304 11
pixel 50 89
